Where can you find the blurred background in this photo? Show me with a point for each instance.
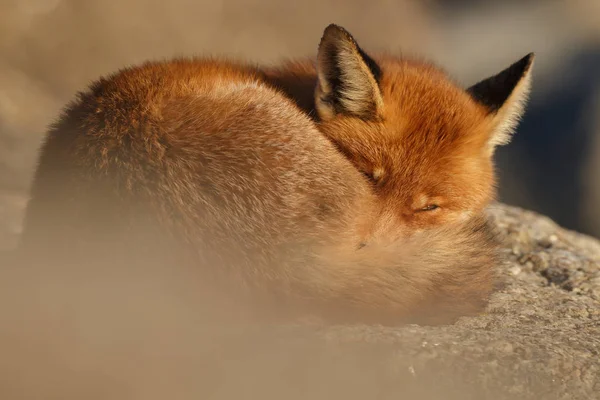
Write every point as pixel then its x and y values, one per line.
pixel 49 49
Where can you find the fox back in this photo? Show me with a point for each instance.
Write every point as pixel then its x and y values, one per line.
pixel 190 144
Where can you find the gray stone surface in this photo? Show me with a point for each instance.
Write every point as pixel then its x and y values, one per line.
pixel 538 339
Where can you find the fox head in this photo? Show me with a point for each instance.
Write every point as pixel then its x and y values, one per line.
pixel 424 144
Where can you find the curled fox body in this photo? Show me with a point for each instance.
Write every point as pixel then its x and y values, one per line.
pixel 373 212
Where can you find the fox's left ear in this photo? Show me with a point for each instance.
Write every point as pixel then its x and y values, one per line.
pixel 505 96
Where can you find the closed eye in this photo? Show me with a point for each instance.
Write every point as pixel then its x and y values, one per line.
pixel 429 207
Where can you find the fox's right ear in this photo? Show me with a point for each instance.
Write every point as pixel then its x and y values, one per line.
pixel 347 78
pixel 504 95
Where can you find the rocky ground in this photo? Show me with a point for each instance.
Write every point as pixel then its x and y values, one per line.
pixel 538 339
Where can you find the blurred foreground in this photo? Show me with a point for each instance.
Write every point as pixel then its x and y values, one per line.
pixel 147 336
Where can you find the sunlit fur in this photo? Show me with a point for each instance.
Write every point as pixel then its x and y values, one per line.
pixel 199 167
pixel 214 172
pixel 428 141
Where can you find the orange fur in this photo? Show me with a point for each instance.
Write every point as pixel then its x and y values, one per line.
pixel 203 166
pixel 429 141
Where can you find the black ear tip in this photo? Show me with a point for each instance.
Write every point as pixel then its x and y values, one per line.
pixel 335 30
pixel 333 27
pixel 494 91
pixel 521 67
pixel 526 62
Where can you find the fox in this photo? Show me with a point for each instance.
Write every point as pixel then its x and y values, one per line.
pixel 216 172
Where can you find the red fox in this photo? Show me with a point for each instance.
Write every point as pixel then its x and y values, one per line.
pixel 370 213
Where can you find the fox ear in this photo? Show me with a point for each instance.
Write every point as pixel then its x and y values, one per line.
pixel 505 96
pixel 347 78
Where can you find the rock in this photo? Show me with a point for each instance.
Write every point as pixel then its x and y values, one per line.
pixel 539 338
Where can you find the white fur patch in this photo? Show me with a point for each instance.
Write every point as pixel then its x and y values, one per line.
pixel 507 118
pixel 378 173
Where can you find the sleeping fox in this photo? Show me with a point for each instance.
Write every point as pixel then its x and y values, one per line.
pixel 372 211
pixel 425 145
